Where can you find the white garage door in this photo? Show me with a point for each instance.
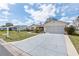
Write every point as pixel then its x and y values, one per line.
pixel 54 29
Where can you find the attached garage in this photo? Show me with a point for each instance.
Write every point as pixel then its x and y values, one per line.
pixel 56 27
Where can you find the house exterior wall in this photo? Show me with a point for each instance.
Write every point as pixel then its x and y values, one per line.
pixel 54 27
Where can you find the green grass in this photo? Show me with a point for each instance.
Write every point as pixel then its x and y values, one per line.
pixel 2 33
pixel 75 40
pixel 16 36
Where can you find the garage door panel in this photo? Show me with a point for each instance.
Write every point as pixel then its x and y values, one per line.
pixel 55 29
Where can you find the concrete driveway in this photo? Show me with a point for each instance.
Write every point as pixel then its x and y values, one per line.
pixel 45 44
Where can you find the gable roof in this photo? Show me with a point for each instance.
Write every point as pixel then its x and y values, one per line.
pixel 50 20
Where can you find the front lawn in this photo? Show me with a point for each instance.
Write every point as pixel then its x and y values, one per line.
pixel 16 36
pixel 75 40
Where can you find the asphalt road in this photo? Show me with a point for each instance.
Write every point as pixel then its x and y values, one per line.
pixel 4 51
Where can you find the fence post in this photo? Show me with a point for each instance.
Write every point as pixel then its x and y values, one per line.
pixel 7 31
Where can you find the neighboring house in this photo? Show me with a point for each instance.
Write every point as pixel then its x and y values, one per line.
pixel 30 28
pixel 5 28
pixel 76 23
pixel 17 27
pixel 21 27
pixel 54 26
pixel 34 26
pixel 13 28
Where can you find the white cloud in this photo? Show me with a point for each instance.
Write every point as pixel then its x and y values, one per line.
pixel 31 4
pixel 41 15
pixel 57 11
pixel 70 9
pixel 3 20
pixel 6 13
pixel 68 19
pixel 4 6
pixel 26 7
pixel 29 22
pixel 16 22
pixel 64 7
pixel 12 3
pixel 63 14
pixel 64 19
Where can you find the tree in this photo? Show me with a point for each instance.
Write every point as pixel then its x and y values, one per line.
pixel 39 29
pixel 3 26
pixel 8 24
pixel 70 29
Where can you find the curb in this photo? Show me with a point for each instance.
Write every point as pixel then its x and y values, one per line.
pixel 70 47
pixel 12 49
pixel 15 51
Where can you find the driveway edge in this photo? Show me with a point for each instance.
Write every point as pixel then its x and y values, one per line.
pixel 12 49
pixel 15 51
pixel 70 47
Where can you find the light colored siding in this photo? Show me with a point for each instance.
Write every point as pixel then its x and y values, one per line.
pixel 54 27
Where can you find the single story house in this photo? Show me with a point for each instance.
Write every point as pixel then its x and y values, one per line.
pixel 17 27
pixel 54 26
pixel 50 26
pixel 21 27
pixel 34 27
pixel 5 28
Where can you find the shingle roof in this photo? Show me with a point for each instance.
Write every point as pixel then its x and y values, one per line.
pixel 50 19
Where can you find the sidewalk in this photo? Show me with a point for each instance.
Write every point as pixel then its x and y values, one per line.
pixel 12 49
pixel 70 47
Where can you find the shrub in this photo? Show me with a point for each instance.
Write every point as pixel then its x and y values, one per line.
pixel 70 29
pixel 38 29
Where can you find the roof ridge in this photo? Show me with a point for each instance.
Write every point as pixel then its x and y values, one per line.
pixel 50 19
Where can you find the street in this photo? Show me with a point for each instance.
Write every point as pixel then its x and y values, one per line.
pixel 4 51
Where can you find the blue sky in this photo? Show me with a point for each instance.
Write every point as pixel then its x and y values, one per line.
pixel 36 13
